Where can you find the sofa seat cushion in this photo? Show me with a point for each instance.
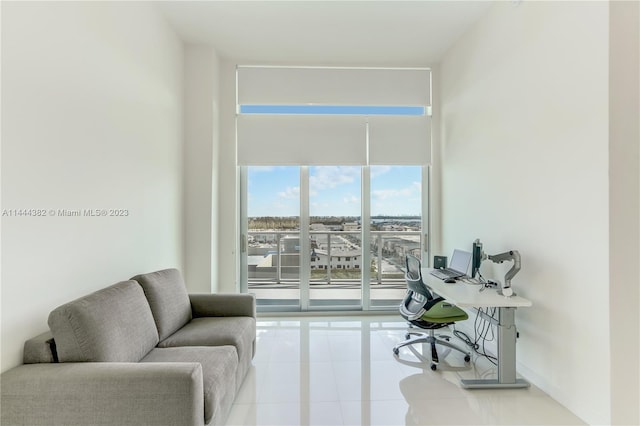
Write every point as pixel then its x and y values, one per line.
pixel 168 299
pixel 239 332
pixel 219 365
pixel 111 325
pixel 215 331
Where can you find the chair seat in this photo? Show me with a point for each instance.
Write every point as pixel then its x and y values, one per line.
pixel 444 312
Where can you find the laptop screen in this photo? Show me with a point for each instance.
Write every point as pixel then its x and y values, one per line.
pixel 460 261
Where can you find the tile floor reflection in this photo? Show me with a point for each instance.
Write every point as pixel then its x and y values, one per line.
pixel 342 371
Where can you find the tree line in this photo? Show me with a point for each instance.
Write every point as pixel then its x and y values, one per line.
pixel 293 222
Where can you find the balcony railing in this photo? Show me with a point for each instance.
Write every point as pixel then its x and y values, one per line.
pixel 336 256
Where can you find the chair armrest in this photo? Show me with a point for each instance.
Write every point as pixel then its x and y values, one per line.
pixel 103 393
pixel 223 305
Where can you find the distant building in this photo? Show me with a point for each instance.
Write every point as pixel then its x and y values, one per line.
pixel 290 244
pixel 343 259
pixel 350 226
pixel 399 246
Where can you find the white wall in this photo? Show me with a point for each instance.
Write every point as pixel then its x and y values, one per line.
pixel 524 165
pixel 91 119
pixel 435 178
pixel 228 216
pixel 624 141
pixel 201 85
pixel 211 185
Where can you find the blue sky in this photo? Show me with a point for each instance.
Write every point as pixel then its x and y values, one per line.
pixel 334 191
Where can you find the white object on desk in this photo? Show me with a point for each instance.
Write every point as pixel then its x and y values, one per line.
pixel 469 295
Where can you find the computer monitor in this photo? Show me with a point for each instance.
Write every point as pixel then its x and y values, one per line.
pixel 476 259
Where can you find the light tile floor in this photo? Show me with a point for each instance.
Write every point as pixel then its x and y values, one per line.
pixel 342 371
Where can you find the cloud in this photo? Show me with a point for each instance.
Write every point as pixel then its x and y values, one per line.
pixel 379 171
pixel 332 177
pixel 290 193
pixel 351 199
pixel 411 191
pixel 383 194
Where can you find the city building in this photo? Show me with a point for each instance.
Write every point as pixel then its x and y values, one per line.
pixel 346 259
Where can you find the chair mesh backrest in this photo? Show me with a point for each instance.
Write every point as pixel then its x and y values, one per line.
pixel 413 277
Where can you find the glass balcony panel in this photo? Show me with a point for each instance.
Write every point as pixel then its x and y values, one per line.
pixel 334 228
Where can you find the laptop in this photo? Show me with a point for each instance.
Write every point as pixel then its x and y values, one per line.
pixel 458 266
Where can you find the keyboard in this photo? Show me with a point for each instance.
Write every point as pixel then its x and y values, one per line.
pixel 443 274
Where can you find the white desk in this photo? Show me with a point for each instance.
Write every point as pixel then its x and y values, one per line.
pixel 467 296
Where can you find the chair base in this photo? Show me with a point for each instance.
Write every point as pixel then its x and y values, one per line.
pixel 432 340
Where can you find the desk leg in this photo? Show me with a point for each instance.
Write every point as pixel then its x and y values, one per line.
pixel 506 356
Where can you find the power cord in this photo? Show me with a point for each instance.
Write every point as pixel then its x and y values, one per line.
pixel 465 338
pixel 482 329
pixel 475 281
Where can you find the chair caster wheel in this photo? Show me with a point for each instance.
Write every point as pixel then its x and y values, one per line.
pixel 433 367
pixel 396 351
pixel 407 336
pixel 447 338
pixel 467 358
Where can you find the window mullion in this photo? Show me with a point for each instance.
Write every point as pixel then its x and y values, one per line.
pixel 365 238
pixel 305 245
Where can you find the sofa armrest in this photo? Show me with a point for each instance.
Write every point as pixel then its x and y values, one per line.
pixel 223 305
pixel 40 349
pixel 103 394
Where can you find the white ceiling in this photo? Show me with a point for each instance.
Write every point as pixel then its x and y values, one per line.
pixel 362 32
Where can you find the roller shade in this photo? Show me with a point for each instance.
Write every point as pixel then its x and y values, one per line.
pixel 333 86
pixel 399 140
pixel 332 140
pixel 281 135
pixel 301 140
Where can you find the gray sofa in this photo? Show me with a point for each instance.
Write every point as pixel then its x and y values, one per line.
pixel 140 352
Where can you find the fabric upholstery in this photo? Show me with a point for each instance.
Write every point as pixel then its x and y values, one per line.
pixel 113 324
pixel 110 370
pixel 444 312
pixel 219 366
pixel 223 305
pixel 39 349
pixel 168 299
pixel 239 332
pixel 103 394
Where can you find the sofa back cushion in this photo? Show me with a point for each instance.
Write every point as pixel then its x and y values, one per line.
pixel 168 298
pixel 114 324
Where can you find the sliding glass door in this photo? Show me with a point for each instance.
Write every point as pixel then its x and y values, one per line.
pixel 330 237
pixel 271 237
pixel 335 233
pixel 396 228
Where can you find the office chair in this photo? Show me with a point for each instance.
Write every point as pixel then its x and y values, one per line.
pixel 421 309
